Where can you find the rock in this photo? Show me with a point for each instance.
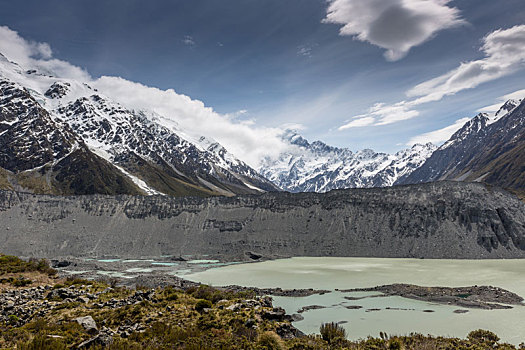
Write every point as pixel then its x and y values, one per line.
pixel 60 263
pixel 460 311
pixel 57 90
pixel 266 301
pixel 250 323
pixel 297 317
pixel 287 331
pixel 276 314
pixel 103 339
pixel 83 299
pixel 253 256
pixel 88 323
pixel 177 258
pixel 310 307
pixel 234 307
pixel 354 307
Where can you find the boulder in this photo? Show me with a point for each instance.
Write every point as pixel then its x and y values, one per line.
pixel 88 323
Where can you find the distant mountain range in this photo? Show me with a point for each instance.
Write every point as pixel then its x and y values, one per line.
pixel 61 136
pixel 317 167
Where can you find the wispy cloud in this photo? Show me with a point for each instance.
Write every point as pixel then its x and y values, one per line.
pixel 306 50
pixel 504 51
pixel 516 95
pixel 395 25
pixel 188 40
pixel 440 135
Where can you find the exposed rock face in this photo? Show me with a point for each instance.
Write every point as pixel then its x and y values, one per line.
pixel 436 220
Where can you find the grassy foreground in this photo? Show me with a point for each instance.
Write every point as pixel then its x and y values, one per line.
pixel 40 311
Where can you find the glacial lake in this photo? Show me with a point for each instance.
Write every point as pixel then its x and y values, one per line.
pixel 396 315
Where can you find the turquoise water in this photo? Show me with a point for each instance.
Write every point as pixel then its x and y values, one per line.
pixel 165 263
pixel 108 260
pixel 396 315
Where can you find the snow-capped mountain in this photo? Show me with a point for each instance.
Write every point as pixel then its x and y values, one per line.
pixel 317 167
pixel 44 118
pixel 486 148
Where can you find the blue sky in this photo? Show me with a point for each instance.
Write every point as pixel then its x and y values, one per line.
pixel 280 62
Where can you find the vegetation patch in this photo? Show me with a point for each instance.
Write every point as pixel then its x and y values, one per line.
pixel 12 264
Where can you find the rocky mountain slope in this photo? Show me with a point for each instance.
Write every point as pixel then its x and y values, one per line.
pixel 486 149
pixel 55 131
pixel 435 220
pixel 43 154
pixel 317 167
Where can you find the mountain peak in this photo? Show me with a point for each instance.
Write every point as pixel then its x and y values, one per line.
pixel 507 107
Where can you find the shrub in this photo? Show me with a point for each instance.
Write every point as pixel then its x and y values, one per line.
pixel 13 264
pixel 13 319
pixel 270 341
pixel 21 282
pixel 395 344
pixel 332 332
pixel 483 336
pixel 202 304
pixel 41 342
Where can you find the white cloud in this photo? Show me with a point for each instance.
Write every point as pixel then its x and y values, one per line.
pixel 516 95
pixel 504 51
pixel 358 122
pixel 382 114
pixel 248 142
pixel 440 135
pixel 188 40
pixel 395 25
pixel 30 54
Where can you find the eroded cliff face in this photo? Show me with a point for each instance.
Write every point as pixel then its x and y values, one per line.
pixel 436 220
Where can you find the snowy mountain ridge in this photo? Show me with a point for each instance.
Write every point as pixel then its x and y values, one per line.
pixel 137 143
pixel 487 148
pixel 317 167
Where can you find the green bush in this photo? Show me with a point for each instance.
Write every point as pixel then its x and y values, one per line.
pixel 332 332
pixel 270 341
pixel 41 342
pixel 13 264
pixel 13 319
pixel 483 336
pixel 21 282
pixel 203 304
pixel 395 344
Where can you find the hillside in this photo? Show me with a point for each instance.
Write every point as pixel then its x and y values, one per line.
pixel 61 136
pixel 485 149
